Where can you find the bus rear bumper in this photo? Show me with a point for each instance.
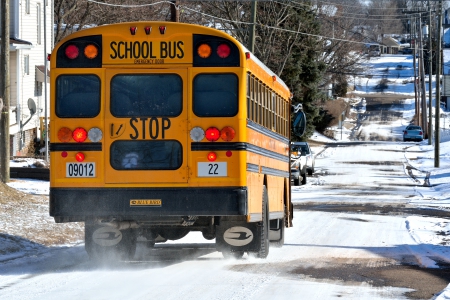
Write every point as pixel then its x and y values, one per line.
pixel 80 204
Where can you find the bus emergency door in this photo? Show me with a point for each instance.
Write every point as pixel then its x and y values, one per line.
pixel 146 126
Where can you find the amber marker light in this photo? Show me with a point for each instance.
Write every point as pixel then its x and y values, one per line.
pixel 204 51
pixel 90 51
pixel 227 133
pixel 212 156
pixel 64 134
pixel 79 157
pixel 79 135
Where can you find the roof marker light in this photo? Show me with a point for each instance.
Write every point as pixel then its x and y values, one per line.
pixel 204 51
pixel 90 51
pixel 247 55
pixel 162 29
pixel 148 29
pixel 223 50
pixel 72 51
pixel 133 30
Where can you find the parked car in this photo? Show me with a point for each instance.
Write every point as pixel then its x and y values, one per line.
pixel 298 168
pixel 302 149
pixel 413 133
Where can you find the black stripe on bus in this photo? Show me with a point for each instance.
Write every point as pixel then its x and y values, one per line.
pixel 268 171
pixel 240 146
pixel 265 131
pixel 76 147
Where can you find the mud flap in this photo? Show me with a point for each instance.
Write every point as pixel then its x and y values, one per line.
pixel 232 236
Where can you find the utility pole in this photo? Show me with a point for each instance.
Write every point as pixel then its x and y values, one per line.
pixel 413 42
pixel 252 27
pixel 4 92
pixel 174 12
pixel 437 110
pixel 430 79
pixel 422 81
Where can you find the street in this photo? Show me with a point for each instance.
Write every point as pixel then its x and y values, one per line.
pixel 352 238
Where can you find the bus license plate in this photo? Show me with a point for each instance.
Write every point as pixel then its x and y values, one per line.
pixel 212 169
pixel 80 169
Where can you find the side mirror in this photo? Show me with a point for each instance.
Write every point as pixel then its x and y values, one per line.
pixel 299 124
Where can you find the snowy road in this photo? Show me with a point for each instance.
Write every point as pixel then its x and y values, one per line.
pixel 355 237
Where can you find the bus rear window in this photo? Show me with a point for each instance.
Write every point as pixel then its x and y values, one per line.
pixel 146 95
pixel 215 95
pixel 146 155
pixel 77 96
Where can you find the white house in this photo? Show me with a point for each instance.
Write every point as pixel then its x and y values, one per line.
pixel 27 59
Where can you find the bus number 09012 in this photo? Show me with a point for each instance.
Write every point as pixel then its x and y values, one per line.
pixel 80 170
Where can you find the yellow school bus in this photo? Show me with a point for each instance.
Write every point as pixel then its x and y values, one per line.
pixel 161 128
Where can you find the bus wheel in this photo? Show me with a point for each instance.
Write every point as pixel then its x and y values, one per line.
pixel 233 254
pixel 264 236
pixel 108 243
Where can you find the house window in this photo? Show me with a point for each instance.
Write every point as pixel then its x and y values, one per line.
pixel 27 7
pixel 26 64
pixel 38 91
pixel 38 23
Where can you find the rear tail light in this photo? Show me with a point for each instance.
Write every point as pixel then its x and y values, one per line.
pixel 72 51
pixel 212 134
pixel 223 50
pixel 227 133
pixel 79 135
pixel 420 132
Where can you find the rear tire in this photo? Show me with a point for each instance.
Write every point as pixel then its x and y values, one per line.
pixel 304 178
pixel 296 181
pixel 264 237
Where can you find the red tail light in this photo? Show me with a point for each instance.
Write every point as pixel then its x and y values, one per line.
pixel 420 132
pixel 223 51
pixel 79 135
pixel 72 51
pixel 212 134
